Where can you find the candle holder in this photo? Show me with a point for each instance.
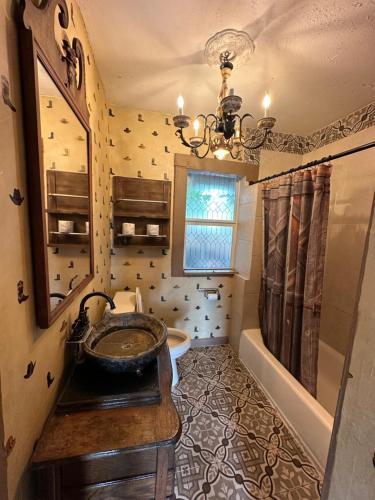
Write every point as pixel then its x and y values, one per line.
pixel 231 104
pixel 196 141
pixel 181 121
pixel 267 122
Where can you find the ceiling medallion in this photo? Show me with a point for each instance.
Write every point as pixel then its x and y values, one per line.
pixel 223 131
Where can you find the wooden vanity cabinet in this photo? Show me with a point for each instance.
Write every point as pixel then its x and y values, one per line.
pixel 119 453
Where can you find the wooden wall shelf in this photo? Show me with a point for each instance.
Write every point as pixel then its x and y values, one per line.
pixel 141 202
pixel 67 194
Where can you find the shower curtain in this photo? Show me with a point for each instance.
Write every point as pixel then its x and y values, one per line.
pixel 295 217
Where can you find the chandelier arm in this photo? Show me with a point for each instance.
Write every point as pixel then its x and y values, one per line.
pixel 255 145
pixel 195 150
pixel 236 155
pixel 179 133
pixel 259 144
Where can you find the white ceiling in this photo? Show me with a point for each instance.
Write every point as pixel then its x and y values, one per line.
pixel 315 57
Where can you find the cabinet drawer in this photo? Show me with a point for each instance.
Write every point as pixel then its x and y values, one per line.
pixel 112 467
pixel 139 488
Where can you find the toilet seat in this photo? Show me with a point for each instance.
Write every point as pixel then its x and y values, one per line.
pixel 178 341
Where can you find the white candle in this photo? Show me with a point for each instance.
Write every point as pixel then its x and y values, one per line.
pixel 266 104
pixel 196 127
pixel 180 104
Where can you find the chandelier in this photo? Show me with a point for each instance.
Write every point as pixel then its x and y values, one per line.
pixel 224 132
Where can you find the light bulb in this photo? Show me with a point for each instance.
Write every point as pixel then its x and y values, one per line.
pixel 221 153
pixel 266 103
pixel 196 126
pixel 180 104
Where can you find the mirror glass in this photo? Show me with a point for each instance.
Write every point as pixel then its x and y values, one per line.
pixel 66 191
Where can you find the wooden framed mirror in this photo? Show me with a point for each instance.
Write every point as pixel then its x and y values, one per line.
pixel 58 156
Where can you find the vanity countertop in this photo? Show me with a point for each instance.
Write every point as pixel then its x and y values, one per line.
pixel 98 431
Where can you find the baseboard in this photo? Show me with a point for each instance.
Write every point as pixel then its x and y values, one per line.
pixel 209 341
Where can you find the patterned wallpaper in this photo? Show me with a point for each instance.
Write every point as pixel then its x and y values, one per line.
pixel 32 360
pixel 144 143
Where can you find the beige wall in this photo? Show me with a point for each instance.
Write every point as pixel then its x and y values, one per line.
pixel 143 149
pixel 352 190
pixel 26 402
pixel 353 469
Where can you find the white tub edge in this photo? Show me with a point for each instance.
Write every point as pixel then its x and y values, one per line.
pixel 306 416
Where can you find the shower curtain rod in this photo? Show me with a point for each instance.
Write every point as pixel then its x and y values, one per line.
pixel 317 162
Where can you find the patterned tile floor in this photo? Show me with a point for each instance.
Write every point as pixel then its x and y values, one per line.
pixel 234 445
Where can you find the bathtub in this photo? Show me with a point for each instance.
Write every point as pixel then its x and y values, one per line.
pixel 310 421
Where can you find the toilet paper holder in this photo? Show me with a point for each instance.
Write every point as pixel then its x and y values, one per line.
pixel 210 292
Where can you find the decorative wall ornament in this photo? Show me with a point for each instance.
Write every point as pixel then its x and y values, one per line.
pixel 6 93
pixel 16 197
pixel 70 58
pixel 21 296
pixel 30 369
pixel 351 124
pixel 50 379
pixel 288 143
pixel 9 445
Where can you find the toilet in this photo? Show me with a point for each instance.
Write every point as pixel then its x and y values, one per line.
pixel 179 341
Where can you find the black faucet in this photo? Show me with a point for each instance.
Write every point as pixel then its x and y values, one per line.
pixel 82 323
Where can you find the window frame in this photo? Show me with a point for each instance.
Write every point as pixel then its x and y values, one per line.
pixel 182 164
pixel 213 222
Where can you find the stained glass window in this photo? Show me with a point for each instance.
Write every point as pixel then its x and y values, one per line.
pixel 210 221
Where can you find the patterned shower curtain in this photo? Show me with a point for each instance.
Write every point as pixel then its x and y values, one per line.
pixel 295 217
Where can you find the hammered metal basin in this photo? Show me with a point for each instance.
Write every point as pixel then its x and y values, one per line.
pixel 125 342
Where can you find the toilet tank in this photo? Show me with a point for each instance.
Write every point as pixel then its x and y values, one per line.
pixel 126 302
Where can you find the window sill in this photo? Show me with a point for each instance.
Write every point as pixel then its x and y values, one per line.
pixel 208 273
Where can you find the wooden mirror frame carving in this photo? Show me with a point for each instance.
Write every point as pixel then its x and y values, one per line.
pixel 37 42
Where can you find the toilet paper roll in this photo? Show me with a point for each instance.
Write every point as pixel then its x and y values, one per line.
pixel 87 227
pixel 212 295
pixel 153 229
pixel 65 226
pixel 128 228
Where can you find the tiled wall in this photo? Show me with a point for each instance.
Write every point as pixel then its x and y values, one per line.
pixel 352 192
pixel 26 401
pixel 144 143
pixel 353 467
